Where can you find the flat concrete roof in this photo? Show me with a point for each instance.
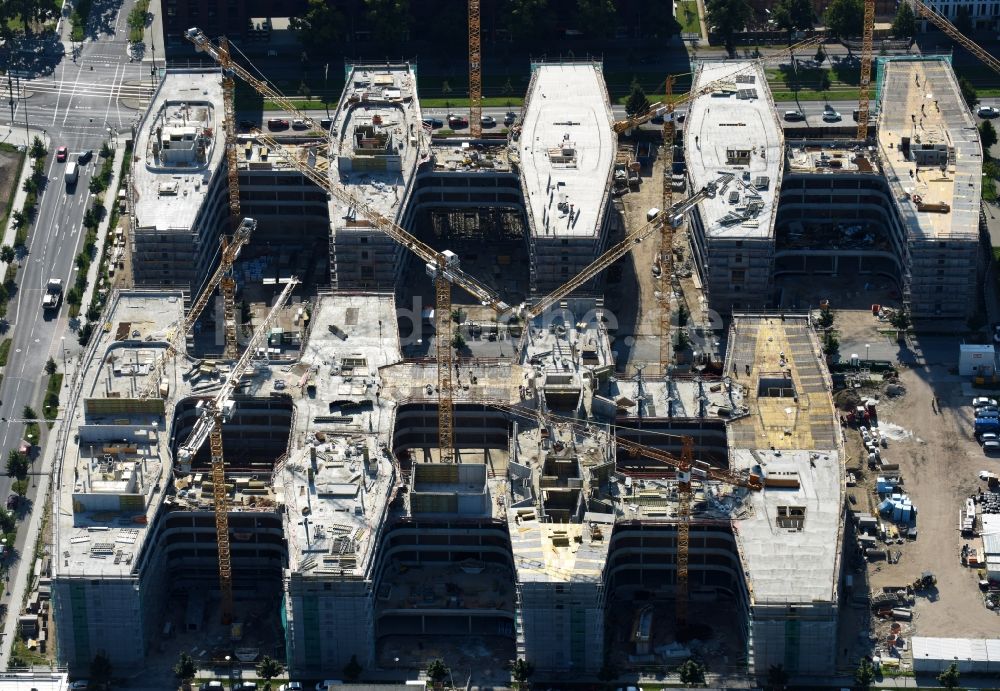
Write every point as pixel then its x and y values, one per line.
pixel 734 130
pixel 790 432
pixel 921 100
pixel 566 150
pixel 116 466
pixel 332 521
pixel 379 112
pixel 170 188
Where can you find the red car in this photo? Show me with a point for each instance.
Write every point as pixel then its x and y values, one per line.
pixel 61 154
pixel 277 124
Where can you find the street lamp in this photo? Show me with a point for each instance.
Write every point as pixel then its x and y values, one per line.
pixel 229 665
pixel 65 378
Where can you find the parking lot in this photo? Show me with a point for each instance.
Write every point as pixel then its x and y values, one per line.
pixel 928 425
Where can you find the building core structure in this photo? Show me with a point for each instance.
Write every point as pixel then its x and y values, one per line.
pixel 546 540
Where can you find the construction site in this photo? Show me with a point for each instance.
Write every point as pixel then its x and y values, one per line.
pixel 295 438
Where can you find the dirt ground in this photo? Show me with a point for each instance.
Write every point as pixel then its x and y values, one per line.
pixel 929 429
pixel 10 163
pixel 632 290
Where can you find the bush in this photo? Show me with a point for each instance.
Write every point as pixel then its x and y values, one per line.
pixel 83 336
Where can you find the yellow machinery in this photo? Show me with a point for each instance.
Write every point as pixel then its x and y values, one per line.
pixel 475 72
pixel 209 425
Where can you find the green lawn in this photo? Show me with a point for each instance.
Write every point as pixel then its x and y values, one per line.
pixel 687 15
pixel 4 351
pixel 989 190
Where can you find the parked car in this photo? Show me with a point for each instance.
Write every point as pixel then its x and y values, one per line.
pixel 61 153
pixel 457 122
pixel 291 686
pixel 830 115
pixel 794 115
pixel 299 124
pixel 434 123
pixel 326 123
pixel 980 401
pixel 79 685
pixel 987 412
pixel 277 124
pixel 327 683
pixel 211 686
pixel 991 447
pixel 487 121
pixel 988 112
pixel 245 686
pixel 509 118
pixel 988 436
pixel 656 119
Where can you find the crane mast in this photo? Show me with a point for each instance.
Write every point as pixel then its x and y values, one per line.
pixel 670 216
pixel 667 233
pixel 209 424
pixel 866 69
pixel 475 72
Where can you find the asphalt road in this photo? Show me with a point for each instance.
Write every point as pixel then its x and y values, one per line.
pixel 74 103
pixel 813 111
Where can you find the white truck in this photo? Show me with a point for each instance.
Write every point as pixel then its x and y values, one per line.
pixel 53 294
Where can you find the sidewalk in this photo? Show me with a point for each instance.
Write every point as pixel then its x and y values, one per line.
pixel 10 232
pixel 102 229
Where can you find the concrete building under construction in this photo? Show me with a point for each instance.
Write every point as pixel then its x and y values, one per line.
pixel 546 540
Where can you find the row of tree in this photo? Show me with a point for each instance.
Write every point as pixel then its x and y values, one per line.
pixel 842 18
pixel 326 23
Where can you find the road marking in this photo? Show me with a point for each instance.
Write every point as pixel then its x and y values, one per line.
pixel 55 111
pixel 111 96
pixel 70 102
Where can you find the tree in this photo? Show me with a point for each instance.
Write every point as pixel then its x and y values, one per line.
pixel 949 677
pixel 458 341
pixel 319 27
pixel 691 673
pixel 20 487
pixel 8 522
pixel 352 670
pixel 963 20
pixel 968 92
pixel 987 136
pixel 185 669
pixel 50 366
pixel 637 101
pixel 900 320
pixel 389 20
pixel 793 15
pixel 777 677
pixel 17 464
pixel 864 675
pixel 596 18
pixel 105 150
pixel 437 671
pixel 7 254
pixel 521 670
pixel 831 344
pixel 101 670
pixel 38 148
pixel 845 18
pixel 727 18
pixel 527 19
pixel 683 340
pixel 267 669
pixel 905 23
pixel 820 55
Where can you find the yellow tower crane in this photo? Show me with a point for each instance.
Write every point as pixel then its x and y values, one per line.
pixel 866 69
pixel 209 425
pixel 475 72
pixel 667 233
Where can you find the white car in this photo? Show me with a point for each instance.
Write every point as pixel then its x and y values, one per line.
pixel 831 115
pixel 981 401
pixel 291 686
pixel 487 121
pixel 988 112
pixel 79 685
